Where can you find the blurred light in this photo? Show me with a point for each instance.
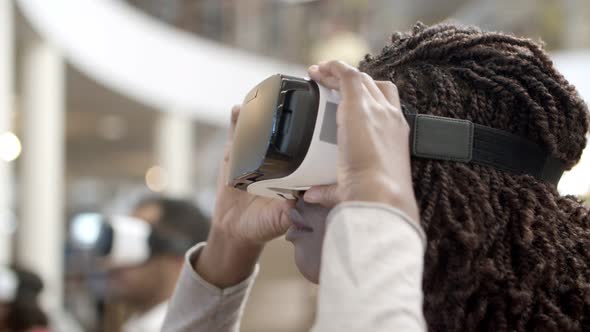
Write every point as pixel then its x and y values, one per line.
pixel 345 46
pixel 112 127
pixel 10 147
pixel 7 222
pixel 85 229
pixel 156 179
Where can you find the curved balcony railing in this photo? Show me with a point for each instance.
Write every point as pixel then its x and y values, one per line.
pixel 150 61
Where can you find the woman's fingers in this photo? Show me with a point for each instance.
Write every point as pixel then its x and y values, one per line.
pixel 343 77
pixel 329 81
pixel 369 122
pixel 389 90
pixel 235 113
pixel 334 74
pixel 324 195
pixel 374 89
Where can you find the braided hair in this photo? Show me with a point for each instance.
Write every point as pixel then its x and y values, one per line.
pixel 505 252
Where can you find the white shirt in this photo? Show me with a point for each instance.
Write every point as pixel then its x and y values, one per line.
pixel 370 278
pixel 150 321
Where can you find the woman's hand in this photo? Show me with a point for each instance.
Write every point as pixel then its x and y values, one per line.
pixel 373 165
pixel 242 223
pixel 373 142
pixel 246 218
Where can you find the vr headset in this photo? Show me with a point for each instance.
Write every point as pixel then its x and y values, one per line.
pixel 285 141
pixel 9 284
pixel 124 241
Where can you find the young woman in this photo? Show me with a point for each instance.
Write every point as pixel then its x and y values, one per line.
pixel 504 252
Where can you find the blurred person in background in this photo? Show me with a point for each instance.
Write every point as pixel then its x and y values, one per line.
pixel 19 301
pixel 146 288
pixel 504 251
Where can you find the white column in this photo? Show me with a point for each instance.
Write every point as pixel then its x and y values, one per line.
pixel 41 228
pixel 6 111
pixel 174 148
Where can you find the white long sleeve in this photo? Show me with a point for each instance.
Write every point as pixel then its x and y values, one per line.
pixel 371 273
pixel 199 306
pixel 370 279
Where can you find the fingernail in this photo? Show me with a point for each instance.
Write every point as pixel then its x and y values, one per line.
pixel 313 68
pixel 311 196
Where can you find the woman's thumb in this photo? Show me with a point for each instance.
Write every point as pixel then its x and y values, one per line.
pixel 326 195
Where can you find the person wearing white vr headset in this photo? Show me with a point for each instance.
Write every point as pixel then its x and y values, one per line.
pixel 19 301
pixel 470 156
pixel 210 297
pixel 143 253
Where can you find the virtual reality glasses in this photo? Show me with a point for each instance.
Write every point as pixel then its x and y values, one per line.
pixel 123 241
pixel 285 141
pixel 8 284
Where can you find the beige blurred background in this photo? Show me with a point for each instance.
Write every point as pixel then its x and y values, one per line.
pixel 106 147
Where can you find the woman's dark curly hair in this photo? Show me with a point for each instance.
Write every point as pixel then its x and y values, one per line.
pixel 505 252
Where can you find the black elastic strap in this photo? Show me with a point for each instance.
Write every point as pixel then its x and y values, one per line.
pixel 441 138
